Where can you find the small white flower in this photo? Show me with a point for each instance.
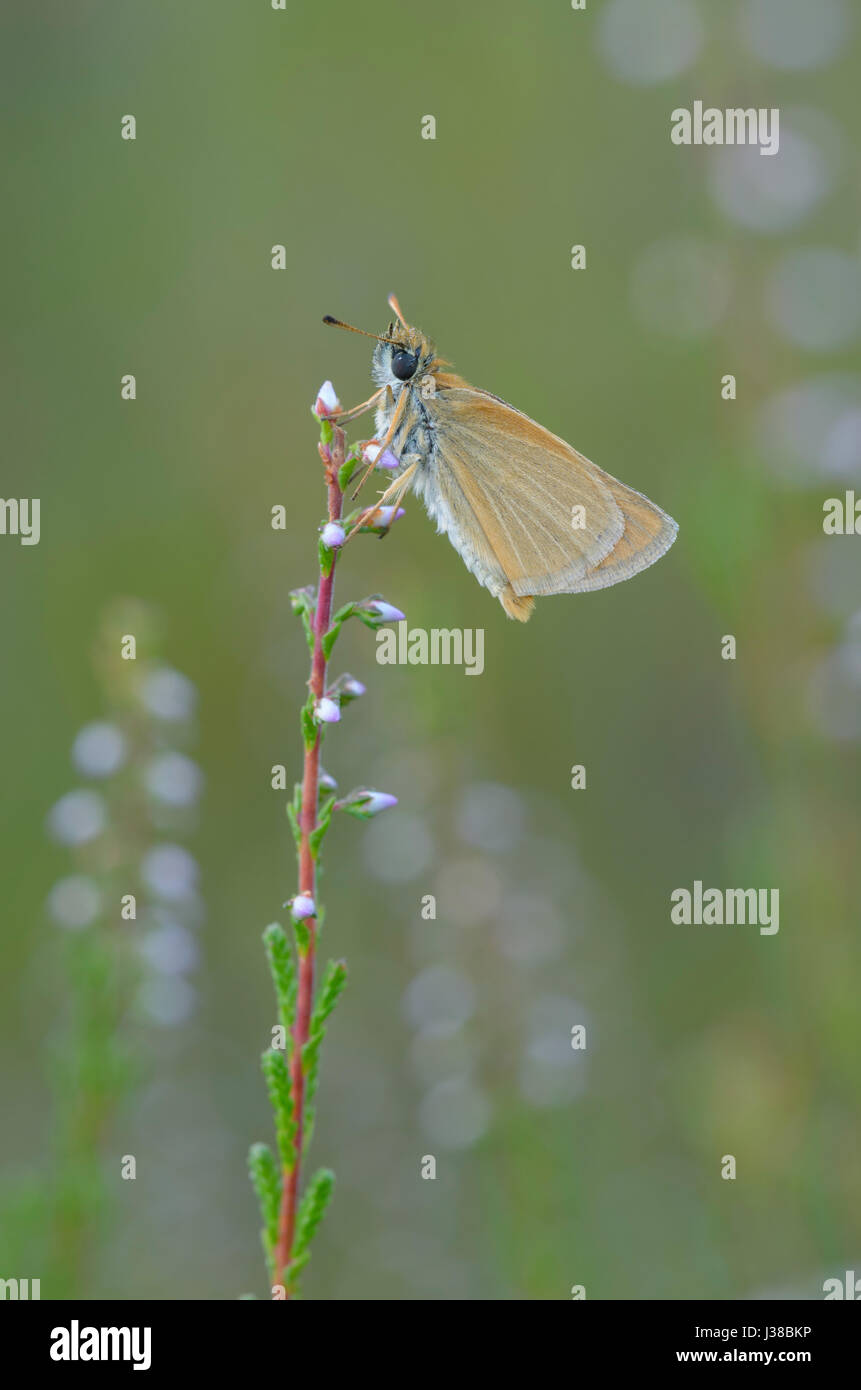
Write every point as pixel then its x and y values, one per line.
pixel 334 535
pixel 327 711
pixel 302 906
pixel 327 402
pixel 386 611
pixel 351 686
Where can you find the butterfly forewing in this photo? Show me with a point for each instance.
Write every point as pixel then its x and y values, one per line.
pixel 548 514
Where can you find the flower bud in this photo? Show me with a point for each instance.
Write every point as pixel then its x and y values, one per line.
pixel 302 906
pixel 345 689
pixel 327 711
pixel 327 402
pixel 385 612
pixel 378 801
pixel 364 802
pixel 384 517
pixel 333 534
pixel 380 458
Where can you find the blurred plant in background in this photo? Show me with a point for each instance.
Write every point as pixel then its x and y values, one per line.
pixel 772 304
pixel 127 915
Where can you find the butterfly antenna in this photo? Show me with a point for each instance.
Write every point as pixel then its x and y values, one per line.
pixel 393 304
pixel 338 323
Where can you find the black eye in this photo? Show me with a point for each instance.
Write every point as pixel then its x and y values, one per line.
pixel 404 364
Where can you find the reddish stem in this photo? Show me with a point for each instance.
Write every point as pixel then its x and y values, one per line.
pixel 333 457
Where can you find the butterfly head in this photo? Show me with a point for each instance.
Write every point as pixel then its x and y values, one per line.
pixel 405 355
pixel 402 352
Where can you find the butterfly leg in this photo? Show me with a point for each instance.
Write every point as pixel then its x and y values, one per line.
pixel 390 434
pixel 370 404
pixel 391 497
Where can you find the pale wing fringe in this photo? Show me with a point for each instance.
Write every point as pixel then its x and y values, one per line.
pixel 626 559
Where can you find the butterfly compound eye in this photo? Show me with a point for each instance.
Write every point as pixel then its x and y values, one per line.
pixel 404 364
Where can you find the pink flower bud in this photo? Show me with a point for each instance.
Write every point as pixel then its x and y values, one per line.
pixel 302 906
pixel 387 516
pixel 334 535
pixel 327 711
pixel 378 801
pixel 380 458
pixel 386 611
pixel 327 402
pixel 364 802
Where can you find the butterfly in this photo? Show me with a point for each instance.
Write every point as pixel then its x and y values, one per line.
pixel 526 512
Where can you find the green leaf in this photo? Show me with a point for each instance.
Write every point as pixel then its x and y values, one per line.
pixel 328 994
pixel 327 997
pixel 324 819
pixel 309 728
pixel 302 933
pixel 282 970
pixel 277 1077
pixel 311 1211
pixel 326 557
pixel 346 471
pixel 266 1181
pixel 294 814
pixel 294 1269
pixel 304 603
pixel 328 640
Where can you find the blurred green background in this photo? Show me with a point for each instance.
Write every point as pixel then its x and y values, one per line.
pixel 257 127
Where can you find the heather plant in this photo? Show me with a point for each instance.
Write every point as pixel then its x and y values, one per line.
pixel 291 1215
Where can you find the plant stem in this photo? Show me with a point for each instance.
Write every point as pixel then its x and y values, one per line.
pixel 333 458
